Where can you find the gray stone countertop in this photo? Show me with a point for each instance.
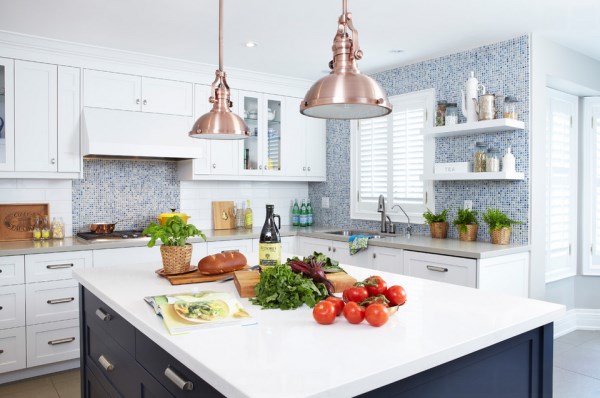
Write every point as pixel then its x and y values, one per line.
pixel 450 247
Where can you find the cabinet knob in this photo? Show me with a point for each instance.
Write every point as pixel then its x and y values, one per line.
pixel 1 307
pixel 334 249
pixel 374 255
pixel 329 249
pixel 109 367
pixel 1 351
pixel 145 102
pixel 260 167
pixel 53 161
pixel 103 315
pixel 308 168
pixel 214 165
pixel 304 168
pixel 182 384
pixel 137 101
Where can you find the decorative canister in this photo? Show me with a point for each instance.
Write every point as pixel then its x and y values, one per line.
pixel 440 113
pixel 451 114
pixel 509 110
pixel 479 157
pixel 492 161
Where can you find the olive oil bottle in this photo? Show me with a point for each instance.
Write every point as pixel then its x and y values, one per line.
pixel 269 245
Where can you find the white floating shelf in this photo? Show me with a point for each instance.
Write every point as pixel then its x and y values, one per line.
pixel 483 126
pixel 501 175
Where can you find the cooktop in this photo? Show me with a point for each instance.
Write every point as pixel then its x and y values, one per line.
pixel 115 235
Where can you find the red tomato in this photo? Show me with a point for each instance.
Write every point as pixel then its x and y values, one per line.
pixel 324 312
pixel 377 314
pixel 375 285
pixel 338 302
pixel 356 294
pixel 353 312
pixel 396 294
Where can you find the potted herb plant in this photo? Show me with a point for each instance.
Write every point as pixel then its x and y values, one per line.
pixel 500 226
pixel 175 251
pixel 466 221
pixel 438 223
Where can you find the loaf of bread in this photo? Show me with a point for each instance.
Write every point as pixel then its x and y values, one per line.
pixel 222 263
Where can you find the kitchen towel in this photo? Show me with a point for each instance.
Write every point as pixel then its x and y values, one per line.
pixel 358 243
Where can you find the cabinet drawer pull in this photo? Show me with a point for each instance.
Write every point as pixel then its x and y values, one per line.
pixel 137 101
pixel 145 102
pixel 61 300
pixel 437 269
pixel 59 266
pixel 105 316
pixel 61 341
pixel 182 384
pixel 109 367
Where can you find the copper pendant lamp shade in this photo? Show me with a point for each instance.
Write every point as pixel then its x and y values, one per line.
pixel 345 93
pixel 220 123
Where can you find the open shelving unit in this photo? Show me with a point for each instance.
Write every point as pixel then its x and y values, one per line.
pixel 483 126
pixel 501 175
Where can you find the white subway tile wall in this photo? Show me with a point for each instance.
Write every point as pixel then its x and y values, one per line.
pixel 197 197
pixel 57 193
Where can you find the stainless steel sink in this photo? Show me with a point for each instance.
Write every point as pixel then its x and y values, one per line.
pixel 350 232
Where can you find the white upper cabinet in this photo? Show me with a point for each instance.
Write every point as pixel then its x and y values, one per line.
pixel 7 132
pixel 36 107
pixel 304 149
pixel 69 119
pixel 135 93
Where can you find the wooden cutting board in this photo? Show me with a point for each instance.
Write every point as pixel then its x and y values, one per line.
pixel 223 216
pixel 246 280
pixel 195 277
pixel 17 220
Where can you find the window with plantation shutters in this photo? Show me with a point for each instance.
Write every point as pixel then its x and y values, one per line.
pixel 388 158
pixel 591 186
pixel 561 195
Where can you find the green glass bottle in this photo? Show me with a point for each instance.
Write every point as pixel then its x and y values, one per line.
pixel 303 214
pixel 309 212
pixel 296 214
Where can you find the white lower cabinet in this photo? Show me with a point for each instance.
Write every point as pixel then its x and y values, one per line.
pixel 52 342
pixel 52 301
pixel 243 245
pixel 12 270
pixel 12 306
pixel 13 352
pixel 387 259
pixel 379 258
pixel 55 266
pixel 140 255
pixel 456 270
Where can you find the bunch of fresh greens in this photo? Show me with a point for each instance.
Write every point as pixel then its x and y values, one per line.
pixel 431 217
pixel 328 264
pixel 280 287
pixel 496 219
pixel 174 233
pixel 465 217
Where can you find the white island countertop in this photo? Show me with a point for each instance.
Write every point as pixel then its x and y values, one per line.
pixel 287 354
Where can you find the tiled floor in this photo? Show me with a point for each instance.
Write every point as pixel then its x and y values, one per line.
pixel 577 365
pixel 57 385
pixel 576 373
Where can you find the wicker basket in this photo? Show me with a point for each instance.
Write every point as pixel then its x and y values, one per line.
pixel 176 259
pixel 439 230
pixel 471 233
pixel 501 236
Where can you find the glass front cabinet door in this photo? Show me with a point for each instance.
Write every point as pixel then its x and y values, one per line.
pixel 7 111
pixel 261 151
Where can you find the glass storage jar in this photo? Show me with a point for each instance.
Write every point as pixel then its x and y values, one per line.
pixel 479 157
pixel 451 114
pixel 492 162
pixel 440 113
pixel 509 110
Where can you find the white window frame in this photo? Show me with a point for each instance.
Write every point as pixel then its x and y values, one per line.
pixel 570 268
pixel 369 212
pixel 590 250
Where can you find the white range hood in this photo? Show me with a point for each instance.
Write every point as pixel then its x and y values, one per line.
pixel 125 134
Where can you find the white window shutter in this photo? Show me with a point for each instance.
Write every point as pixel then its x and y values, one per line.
pixel 591 187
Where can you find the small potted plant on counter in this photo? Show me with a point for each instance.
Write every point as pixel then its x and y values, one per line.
pixel 500 226
pixel 466 221
pixel 438 223
pixel 175 251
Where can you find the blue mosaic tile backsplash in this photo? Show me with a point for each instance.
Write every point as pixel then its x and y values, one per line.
pixel 131 192
pixel 504 69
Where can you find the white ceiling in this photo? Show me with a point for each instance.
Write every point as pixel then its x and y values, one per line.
pixel 295 37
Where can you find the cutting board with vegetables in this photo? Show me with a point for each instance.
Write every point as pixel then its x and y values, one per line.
pixel 223 215
pixel 246 280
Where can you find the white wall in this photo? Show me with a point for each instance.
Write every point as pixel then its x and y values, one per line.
pixel 557 67
pixel 196 198
pixel 57 193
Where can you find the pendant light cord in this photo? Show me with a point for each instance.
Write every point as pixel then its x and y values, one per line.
pixel 221 35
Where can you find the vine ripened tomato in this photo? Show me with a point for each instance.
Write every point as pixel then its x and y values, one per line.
pixel 338 302
pixel 324 312
pixel 377 314
pixel 356 294
pixel 396 294
pixel 353 312
pixel 375 285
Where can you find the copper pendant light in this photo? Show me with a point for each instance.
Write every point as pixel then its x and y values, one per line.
pixel 345 93
pixel 220 123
